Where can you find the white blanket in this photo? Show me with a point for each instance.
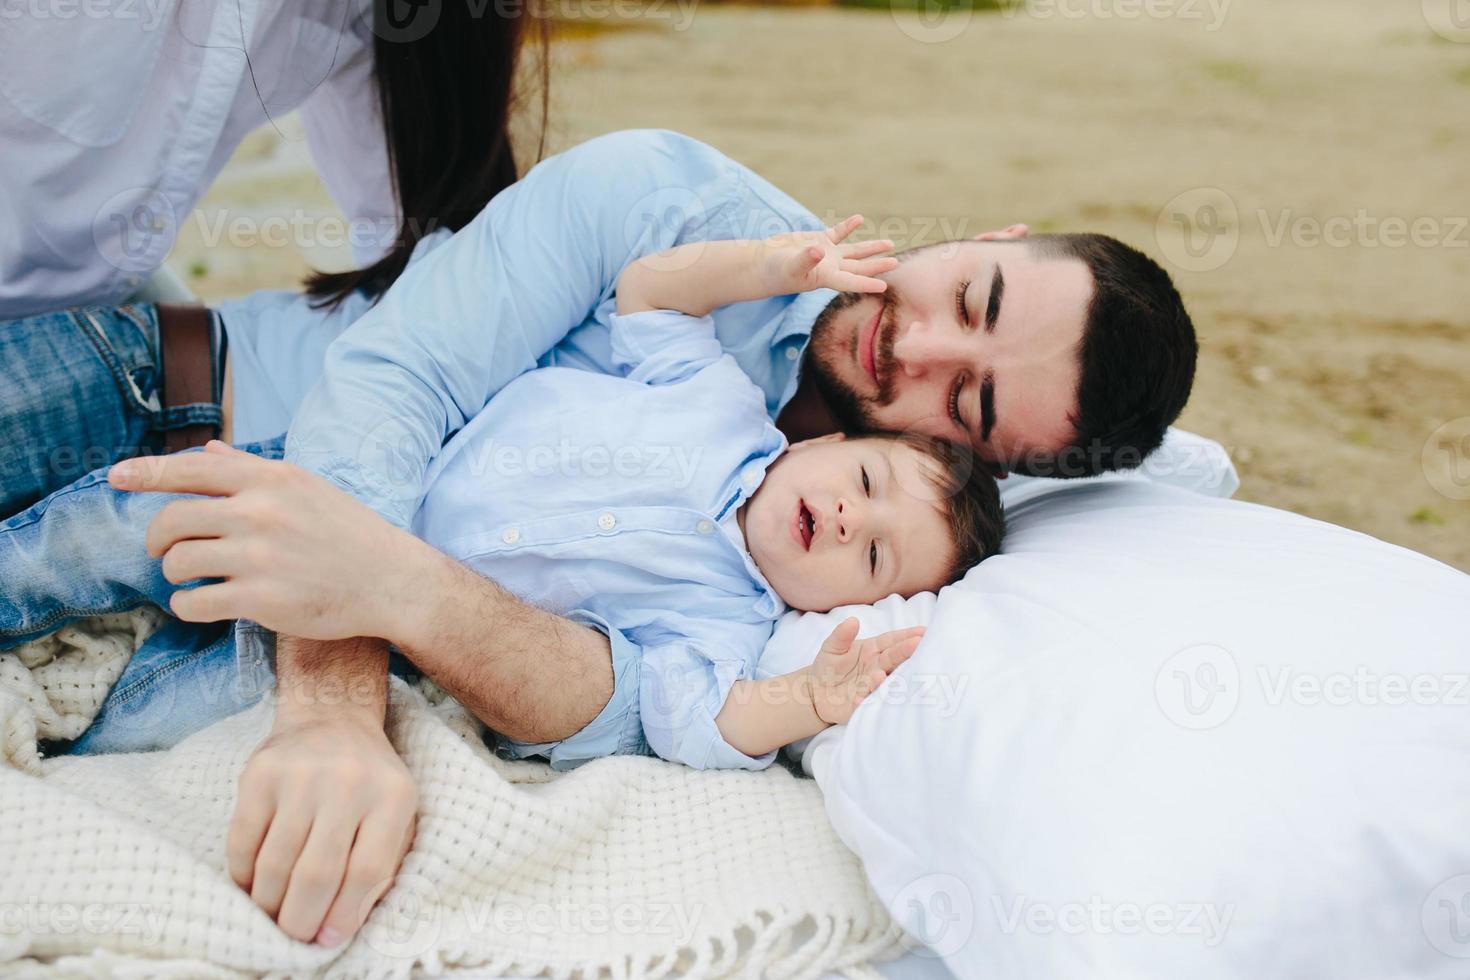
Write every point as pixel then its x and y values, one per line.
pixel 628 867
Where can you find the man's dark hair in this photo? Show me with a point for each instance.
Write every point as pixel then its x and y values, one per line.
pixel 1137 356
pixel 969 497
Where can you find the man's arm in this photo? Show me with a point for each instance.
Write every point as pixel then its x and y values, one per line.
pixel 302 558
pixel 326 807
pixel 482 308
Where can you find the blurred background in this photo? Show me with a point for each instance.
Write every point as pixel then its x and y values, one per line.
pixel 1299 167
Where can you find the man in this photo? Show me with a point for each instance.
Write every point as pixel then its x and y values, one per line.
pixel 1056 356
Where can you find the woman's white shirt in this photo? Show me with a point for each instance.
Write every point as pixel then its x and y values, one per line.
pixel 116 117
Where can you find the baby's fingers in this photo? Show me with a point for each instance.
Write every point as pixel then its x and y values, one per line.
pixel 892 655
pixel 848 283
pixel 869 267
pixel 800 265
pixel 861 250
pixel 844 228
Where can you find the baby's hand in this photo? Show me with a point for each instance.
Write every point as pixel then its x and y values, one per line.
pixel 806 260
pixel 846 672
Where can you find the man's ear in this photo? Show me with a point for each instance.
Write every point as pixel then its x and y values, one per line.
pixel 1006 234
pixel 814 440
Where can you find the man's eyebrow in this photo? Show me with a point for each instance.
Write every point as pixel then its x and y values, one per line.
pixel 992 307
pixel 987 406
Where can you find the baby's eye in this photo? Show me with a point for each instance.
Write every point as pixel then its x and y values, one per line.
pixel 873 558
pixel 864 471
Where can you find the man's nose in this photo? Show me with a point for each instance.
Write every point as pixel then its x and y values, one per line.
pixel 925 347
pixel 849 521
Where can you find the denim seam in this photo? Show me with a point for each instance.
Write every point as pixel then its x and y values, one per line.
pixel 127 695
pixel 71 612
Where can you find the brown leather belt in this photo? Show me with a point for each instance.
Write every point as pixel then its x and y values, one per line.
pixel 188 370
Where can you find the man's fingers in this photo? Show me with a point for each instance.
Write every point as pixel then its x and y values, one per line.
pixel 381 844
pixel 840 640
pixel 277 858
pixel 183 519
pixel 191 560
pixel 210 603
pixel 247 831
pixel 318 875
pixel 211 474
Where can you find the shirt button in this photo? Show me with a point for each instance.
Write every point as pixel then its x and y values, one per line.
pixel 792 353
pixel 607 522
pixel 510 535
pixel 705 527
pixel 751 475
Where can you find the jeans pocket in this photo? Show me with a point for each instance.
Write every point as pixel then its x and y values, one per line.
pixel 126 338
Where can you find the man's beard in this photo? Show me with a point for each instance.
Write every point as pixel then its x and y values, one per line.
pixel 855 411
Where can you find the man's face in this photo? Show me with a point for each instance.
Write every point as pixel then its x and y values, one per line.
pixel 975 342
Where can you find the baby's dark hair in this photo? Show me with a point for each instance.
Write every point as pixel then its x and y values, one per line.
pixel 968 495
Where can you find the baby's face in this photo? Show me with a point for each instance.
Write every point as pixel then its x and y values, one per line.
pixel 840 521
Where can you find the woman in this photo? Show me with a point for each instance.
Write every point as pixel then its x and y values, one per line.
pixel 112 128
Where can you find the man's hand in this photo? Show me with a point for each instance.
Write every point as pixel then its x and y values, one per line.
pixel 326 807
pixel 296 554
pixel 806 260
pixel 845 672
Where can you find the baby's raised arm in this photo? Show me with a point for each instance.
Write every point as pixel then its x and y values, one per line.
pixel 762 716
pixel 698 277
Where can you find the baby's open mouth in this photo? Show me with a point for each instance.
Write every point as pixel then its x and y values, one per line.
pixel 806 524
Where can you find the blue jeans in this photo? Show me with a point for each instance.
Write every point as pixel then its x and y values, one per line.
pixel 81 390
pixel 80 552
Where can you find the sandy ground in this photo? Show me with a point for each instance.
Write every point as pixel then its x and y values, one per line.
pixel 1314 154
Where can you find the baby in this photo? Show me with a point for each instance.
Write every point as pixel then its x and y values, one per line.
pixel 662 508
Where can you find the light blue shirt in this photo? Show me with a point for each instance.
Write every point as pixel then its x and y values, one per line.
pixel 601 498
pixel 530 282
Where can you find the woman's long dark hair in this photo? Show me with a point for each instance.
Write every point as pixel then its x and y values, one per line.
pixel 447 92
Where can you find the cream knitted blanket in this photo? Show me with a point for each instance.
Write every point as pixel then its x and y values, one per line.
pixel 629 867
